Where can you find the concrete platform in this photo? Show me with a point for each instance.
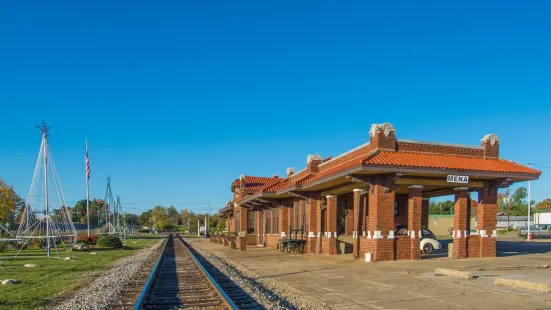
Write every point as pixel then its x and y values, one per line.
pixel 345 283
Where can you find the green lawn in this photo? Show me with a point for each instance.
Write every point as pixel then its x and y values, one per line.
pixel 42 286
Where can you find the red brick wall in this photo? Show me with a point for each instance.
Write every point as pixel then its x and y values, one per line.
pixel 473 246
pixel 486 210
pixel 402 217
pixel 381 218
pixel 329 245
pixel 312 210
pixel 439 149
pixel 415 203
pixel 403 247
pixel 271 241
pixel 460 223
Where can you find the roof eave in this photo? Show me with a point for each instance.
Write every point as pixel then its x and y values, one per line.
pixel 384 168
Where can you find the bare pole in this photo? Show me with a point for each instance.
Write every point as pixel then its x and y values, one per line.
pixel 529 211
pixel 87 189
pixel 198 228
pixel 45 142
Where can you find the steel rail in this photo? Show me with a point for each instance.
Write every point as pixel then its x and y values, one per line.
pixel 207 274
pixel 145 289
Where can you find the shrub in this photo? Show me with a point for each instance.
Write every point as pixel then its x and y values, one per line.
pixel 110 242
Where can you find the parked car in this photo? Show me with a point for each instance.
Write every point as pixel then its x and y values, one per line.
pixel 538 231
pixel 428 242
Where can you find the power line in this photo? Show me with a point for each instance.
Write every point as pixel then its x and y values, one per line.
pixel 541 166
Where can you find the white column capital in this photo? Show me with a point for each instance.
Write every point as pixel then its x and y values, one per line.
pixel 330 196
pixel 357 190
pixel 415 186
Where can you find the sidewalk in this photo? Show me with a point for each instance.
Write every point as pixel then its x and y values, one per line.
pixel 345 283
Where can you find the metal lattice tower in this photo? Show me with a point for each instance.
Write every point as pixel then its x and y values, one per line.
pixel 110 224
pixel 46 218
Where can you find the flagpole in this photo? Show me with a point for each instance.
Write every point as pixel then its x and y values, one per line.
pixel 87 191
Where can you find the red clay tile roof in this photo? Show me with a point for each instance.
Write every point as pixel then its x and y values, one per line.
pixel 430 161
pixel 439 161
pixel 277 186
pixel 255 184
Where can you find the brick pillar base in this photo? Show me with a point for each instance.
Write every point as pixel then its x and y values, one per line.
pixel 488 247
pixel 382 249
pixel 415 247
pixel 311 245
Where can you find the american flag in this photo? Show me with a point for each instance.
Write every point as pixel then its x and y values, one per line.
pixel 86 159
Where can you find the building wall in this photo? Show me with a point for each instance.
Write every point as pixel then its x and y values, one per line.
pixel 439 224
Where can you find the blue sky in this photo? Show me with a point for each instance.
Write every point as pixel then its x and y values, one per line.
pixel 179 98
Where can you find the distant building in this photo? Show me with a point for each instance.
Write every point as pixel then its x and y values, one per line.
pixel 542 217
pixel 515 222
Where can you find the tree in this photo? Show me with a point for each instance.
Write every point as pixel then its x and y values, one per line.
pixel 518 203
pixel 544 204
pixel 443 207
pixel 10 203
pixel 143 219
pixel 159 216
pixel 131 219
pixel 173 216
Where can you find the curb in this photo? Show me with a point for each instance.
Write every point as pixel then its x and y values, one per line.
pixel 533 286
pixel 453 273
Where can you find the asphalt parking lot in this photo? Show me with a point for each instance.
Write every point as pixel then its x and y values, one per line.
pixel 344 283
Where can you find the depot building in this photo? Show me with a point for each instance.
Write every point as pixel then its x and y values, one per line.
pixel 358 197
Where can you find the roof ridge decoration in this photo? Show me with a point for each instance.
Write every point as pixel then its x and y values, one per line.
pixel 386 127
pixel 491 137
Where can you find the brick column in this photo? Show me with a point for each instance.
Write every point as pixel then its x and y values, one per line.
pixel 312 210
pixel 330 244
pixel 283 220
pixel 425 213
pixel 460 221
pixel 257 226
pixel 381 220
pixel 243 219
pixel 486 213
pixel 415 206
pixel 356 234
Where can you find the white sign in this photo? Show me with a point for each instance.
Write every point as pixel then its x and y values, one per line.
pixel 458 179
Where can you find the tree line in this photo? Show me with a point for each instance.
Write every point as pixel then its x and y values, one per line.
pixel 518 204
pixel 162 218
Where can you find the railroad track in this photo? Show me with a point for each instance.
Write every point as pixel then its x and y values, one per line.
pixel 182 279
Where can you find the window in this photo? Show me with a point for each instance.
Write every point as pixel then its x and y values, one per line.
pixel 297 216
pixel 268 228
pixel 396 208
pixel 237 227
pixel 275 220
pixel 303 203
pixel 251 221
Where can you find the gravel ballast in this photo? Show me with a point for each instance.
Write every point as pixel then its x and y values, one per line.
pixel 104 290
pixel 268 292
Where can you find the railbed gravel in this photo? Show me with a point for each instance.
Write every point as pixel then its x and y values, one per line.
pixel 105 289
pixel 270 293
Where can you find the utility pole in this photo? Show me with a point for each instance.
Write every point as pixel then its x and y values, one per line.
pixel 529 207
pixel 507 199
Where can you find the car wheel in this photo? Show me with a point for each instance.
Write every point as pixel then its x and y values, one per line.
pixel 427 248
